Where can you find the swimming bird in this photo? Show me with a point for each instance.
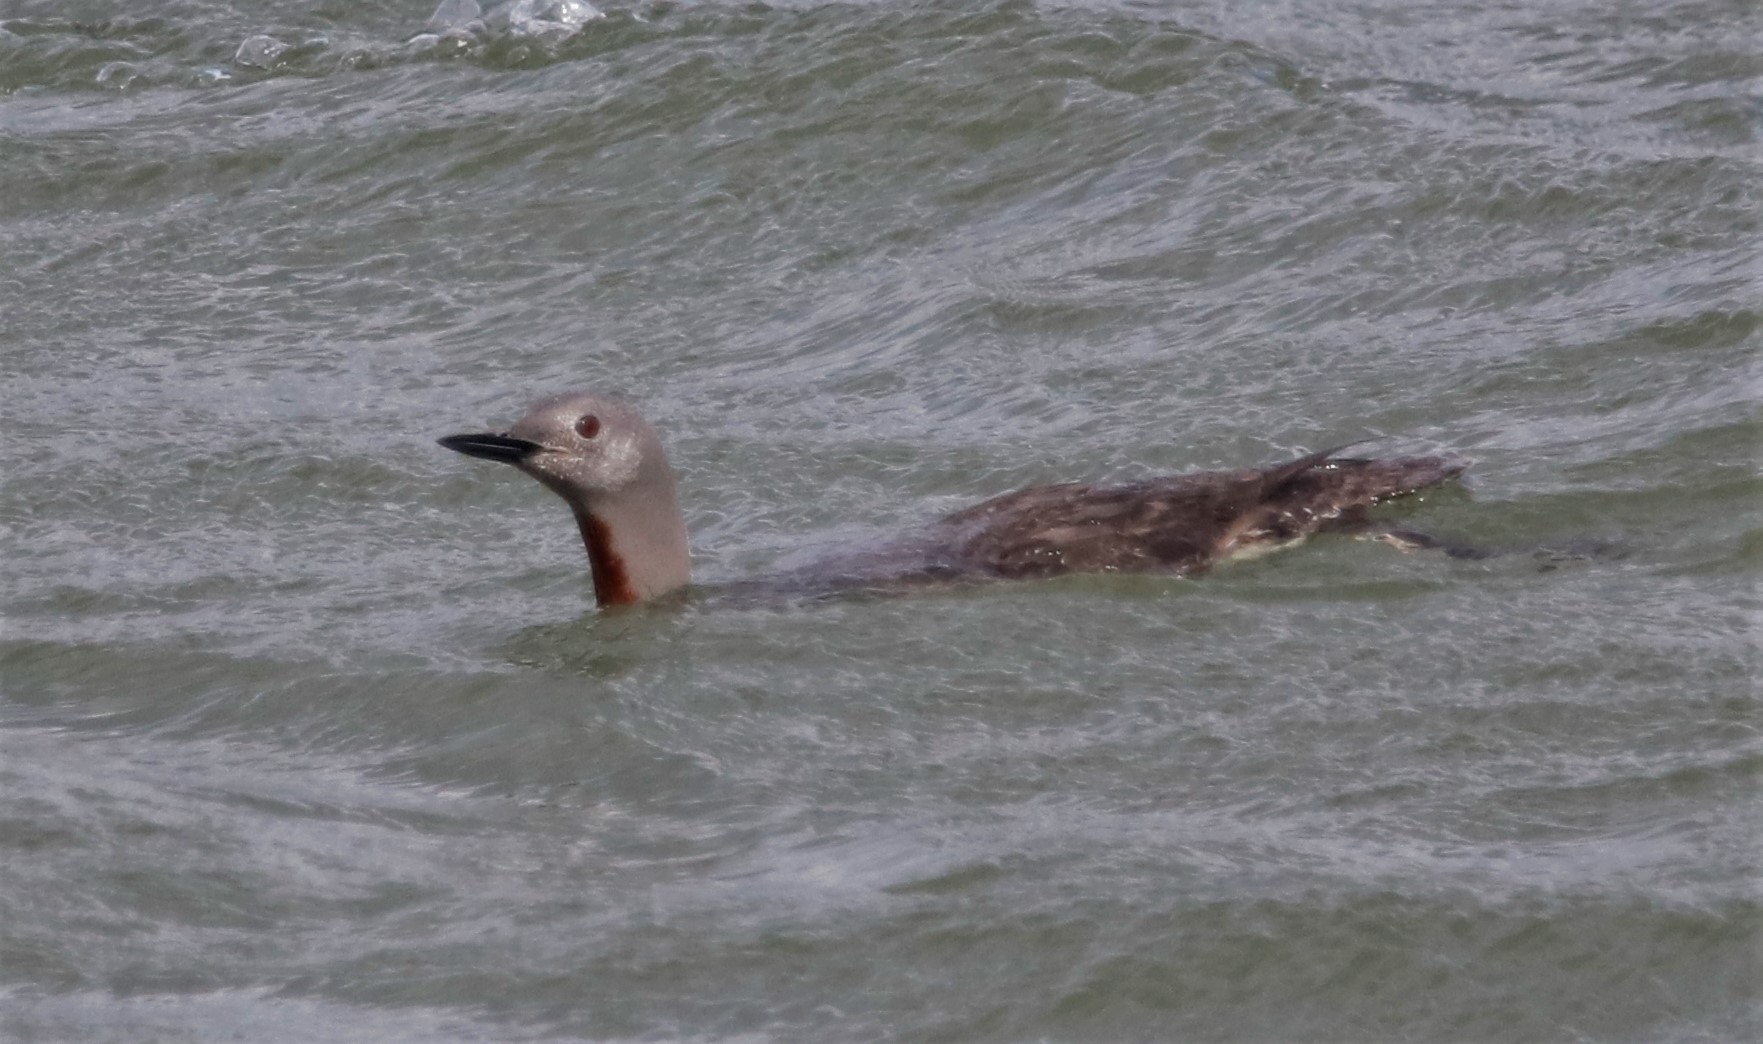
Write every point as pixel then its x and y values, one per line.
pixel 607 463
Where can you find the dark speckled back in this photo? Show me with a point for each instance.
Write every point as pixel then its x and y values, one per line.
pixel 1178 525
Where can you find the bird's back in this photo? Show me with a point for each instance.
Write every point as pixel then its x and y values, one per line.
pixel 1181 524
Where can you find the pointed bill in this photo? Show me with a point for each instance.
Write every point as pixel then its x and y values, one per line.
pixel 491 446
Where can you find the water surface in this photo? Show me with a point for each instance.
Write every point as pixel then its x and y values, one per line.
pixel 311 730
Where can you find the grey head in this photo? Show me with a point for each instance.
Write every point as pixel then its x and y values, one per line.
pixel 606 462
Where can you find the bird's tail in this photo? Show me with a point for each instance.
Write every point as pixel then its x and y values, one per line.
pixel 1356 481
pixel 1372 480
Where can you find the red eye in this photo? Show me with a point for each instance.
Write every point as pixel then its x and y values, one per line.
pixel 588 426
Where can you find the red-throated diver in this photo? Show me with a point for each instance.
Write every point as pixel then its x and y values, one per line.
pixel 607 463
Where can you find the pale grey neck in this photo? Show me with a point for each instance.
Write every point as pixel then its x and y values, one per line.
pixel 636 540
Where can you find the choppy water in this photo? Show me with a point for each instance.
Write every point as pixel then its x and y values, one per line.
pixel 312 732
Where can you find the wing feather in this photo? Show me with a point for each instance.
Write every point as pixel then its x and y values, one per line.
pixel 1179 524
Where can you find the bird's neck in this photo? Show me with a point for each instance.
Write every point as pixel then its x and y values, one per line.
pixel 637 547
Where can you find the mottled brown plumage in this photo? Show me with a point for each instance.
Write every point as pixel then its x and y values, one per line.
pixel 1181 524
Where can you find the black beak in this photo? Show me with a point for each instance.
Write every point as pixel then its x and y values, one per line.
pixel 505 448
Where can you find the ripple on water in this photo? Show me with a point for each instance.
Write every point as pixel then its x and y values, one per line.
pixel 306 723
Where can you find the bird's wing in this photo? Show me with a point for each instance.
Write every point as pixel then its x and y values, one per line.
pixel 1164 525
pixel 1180 524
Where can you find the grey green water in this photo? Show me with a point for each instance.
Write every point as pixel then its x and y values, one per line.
pixel 311 730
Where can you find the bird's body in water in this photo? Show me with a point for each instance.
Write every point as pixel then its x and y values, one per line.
pixel 603 459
